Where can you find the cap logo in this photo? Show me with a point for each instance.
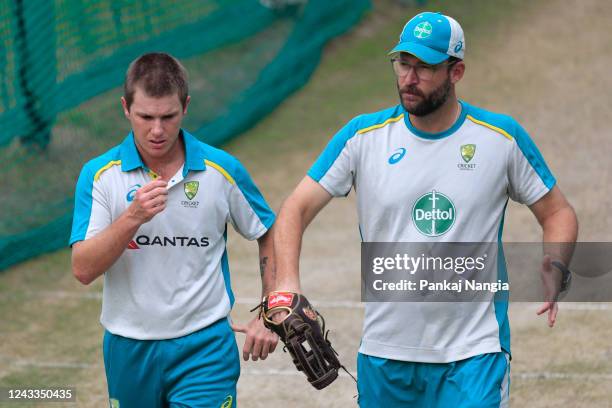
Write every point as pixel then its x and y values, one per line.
pixel 422 30
pixel 459 46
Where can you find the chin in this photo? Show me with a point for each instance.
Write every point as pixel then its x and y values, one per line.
pixel 411 108
pixel 410 104
pixel 157 153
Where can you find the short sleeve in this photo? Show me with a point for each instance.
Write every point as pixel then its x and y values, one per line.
pixel 334 169
pixel 250 214
pixel 528 175
pixel 91 210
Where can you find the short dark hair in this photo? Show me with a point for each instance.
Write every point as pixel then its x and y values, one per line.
pixel 159 74
pixel 450 62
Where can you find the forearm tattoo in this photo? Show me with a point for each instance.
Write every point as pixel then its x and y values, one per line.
pixel 263 263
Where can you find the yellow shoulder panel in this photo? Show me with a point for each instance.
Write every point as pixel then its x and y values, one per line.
pixel 380 125
pixel 220 170
pixel 490 126
pixel 106 167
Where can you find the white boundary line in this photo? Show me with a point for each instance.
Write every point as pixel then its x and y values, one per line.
pixel 330 304
pixel 585 306
pixel 51 364
pixel 545 375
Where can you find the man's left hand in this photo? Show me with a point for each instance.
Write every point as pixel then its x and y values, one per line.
pixel 259 340
pixel 551 280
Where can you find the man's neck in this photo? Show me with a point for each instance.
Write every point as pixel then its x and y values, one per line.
pixel 441 119
pixel 167 166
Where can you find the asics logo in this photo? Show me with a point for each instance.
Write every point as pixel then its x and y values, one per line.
pixel 397 156
pixel 459 46
pixel 132 191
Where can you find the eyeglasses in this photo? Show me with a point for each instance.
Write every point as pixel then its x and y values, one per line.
pixel 423 71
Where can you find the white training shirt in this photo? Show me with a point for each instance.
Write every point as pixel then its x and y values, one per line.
pixel 476 165
pixel 173 278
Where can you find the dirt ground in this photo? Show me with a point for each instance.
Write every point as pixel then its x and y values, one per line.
pixel 548 66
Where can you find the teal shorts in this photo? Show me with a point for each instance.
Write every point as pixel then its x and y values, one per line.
pixel 481 381
pixel 197 370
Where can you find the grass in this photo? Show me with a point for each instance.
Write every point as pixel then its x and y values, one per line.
pixel 39 184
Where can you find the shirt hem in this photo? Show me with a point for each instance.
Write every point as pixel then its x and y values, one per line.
pixel 424 355
pixel 332 191
pixel 136 335
pixel 535 197
pixel 258 234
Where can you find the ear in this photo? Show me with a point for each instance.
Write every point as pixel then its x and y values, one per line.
pixel 126 109
pixel 457 71
pixel 187 100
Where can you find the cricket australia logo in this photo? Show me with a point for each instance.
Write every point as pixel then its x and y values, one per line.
pixel 467 154
pixel 422 30
pixel 191 190
pixel 433 214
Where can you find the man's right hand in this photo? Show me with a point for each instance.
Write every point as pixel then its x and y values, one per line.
pixel 149 201
pixel 95 255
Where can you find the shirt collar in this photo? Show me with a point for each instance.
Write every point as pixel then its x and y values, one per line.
pixel 130 158
pixel 194 154
pixel 440 135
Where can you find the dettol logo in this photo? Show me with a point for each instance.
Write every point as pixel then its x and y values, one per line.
pixel 433 214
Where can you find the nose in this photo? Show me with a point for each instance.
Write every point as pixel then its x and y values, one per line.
pixel 410 78
pixel 157 129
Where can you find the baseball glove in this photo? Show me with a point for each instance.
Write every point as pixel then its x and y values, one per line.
pixel 303 332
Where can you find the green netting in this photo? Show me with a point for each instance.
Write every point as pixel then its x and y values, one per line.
pixel 62 65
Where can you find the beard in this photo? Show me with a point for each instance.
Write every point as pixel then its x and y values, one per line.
pixel 429 103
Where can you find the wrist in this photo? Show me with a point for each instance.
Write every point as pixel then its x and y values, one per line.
pixel 131 218
pixel 286 285
pixel 566 275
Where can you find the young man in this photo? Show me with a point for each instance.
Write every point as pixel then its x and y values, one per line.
pixel 151 216
pixel 431 354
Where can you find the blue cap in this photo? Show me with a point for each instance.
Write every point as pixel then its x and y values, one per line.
pixel 432 38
